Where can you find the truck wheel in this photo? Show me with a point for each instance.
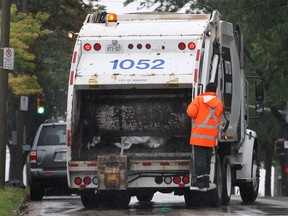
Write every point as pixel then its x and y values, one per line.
pixel 249 191
pixel 90 198
pixel 36 192
pixel 215 196
pixel 192 198
pixel 145 197
pixel 227 181
pixel 121 199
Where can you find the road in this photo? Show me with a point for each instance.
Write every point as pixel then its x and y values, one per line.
pixel 162 204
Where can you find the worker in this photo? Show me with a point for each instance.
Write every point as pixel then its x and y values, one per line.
pixel 205 110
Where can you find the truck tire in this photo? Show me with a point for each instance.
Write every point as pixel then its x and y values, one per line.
pixel 227 181
pixel 121 199
pixel 215 196
pixel 145 197
pixel 249 191
pixel 36 192
pixel 90 198
pixel 192 198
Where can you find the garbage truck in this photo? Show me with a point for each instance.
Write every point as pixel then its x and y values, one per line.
pixel 131 80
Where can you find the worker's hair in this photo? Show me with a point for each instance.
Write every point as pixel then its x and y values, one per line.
pixel 211 87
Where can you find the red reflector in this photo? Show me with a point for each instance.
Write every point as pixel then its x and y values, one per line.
pixel 148 46
pixel 87 180
pixel 286 170
pixel 71 77
pixel 181 46
pixel 47 173
pixel 97 46
pixel 73 165
pixel 181 185
pixel 164 163
pixel 198 55
pixel 139 46
pixel 33 157
pixel 78 181
pixel 196 75
pixel 74 57
pixel 87 46
pixel 91 164
pixel 185 179
pixel 183 163
pixel 177 180
pixel 68 131
pixel 146 164
pixel 191 46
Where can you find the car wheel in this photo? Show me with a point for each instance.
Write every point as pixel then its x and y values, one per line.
pixel 36 192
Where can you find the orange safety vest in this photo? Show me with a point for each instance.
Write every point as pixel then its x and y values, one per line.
pixel 206 110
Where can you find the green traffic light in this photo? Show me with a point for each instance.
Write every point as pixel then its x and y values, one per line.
pixel 41 110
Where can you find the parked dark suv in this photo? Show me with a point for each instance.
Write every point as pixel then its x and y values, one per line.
pixel 46 162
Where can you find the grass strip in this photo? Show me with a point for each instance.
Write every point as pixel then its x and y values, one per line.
pixel 11 200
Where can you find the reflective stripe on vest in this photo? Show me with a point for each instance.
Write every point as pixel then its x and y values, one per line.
pixel 205 126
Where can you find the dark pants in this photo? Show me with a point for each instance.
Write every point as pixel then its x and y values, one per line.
pixel 202 160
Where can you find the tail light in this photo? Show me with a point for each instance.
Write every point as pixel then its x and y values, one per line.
pixel 78 181
pixel 87 180
pixel 185 179
pixel 176 179
pixel 33 157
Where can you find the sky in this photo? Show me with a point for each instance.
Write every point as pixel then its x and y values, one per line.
pixel 116 6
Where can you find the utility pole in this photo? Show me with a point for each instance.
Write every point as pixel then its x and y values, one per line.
pixel 5 40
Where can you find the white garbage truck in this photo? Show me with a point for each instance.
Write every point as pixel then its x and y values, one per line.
pixel 132 77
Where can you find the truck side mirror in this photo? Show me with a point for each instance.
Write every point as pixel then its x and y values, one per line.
pixel 259 90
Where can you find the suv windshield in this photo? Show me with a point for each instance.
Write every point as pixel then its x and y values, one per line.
pixel 52 135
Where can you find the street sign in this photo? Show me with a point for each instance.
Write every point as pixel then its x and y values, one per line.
pixel 8 58
pixel 24 103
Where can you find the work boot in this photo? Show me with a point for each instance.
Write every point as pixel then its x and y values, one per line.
pixel 200 183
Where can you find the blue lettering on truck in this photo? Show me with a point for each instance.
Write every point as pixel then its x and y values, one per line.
pixel 142 64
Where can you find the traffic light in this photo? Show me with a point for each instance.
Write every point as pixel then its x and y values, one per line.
pixel 40 104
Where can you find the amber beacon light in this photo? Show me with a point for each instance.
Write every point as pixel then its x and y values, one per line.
pixel 111 17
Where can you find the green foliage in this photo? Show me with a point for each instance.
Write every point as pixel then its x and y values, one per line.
pixel 54 51
pixel 24 29
pixel 23 85
pixel 10 200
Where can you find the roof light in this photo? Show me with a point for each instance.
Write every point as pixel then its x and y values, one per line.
pixel 97 46
pixel 71 35
pixel 111 17
pixel 208 33
pixel 148 46
pixel 181 46
pixel 87 47
pixel 191 46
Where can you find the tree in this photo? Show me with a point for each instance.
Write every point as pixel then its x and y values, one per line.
pixel 22 83
pixel 54 52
